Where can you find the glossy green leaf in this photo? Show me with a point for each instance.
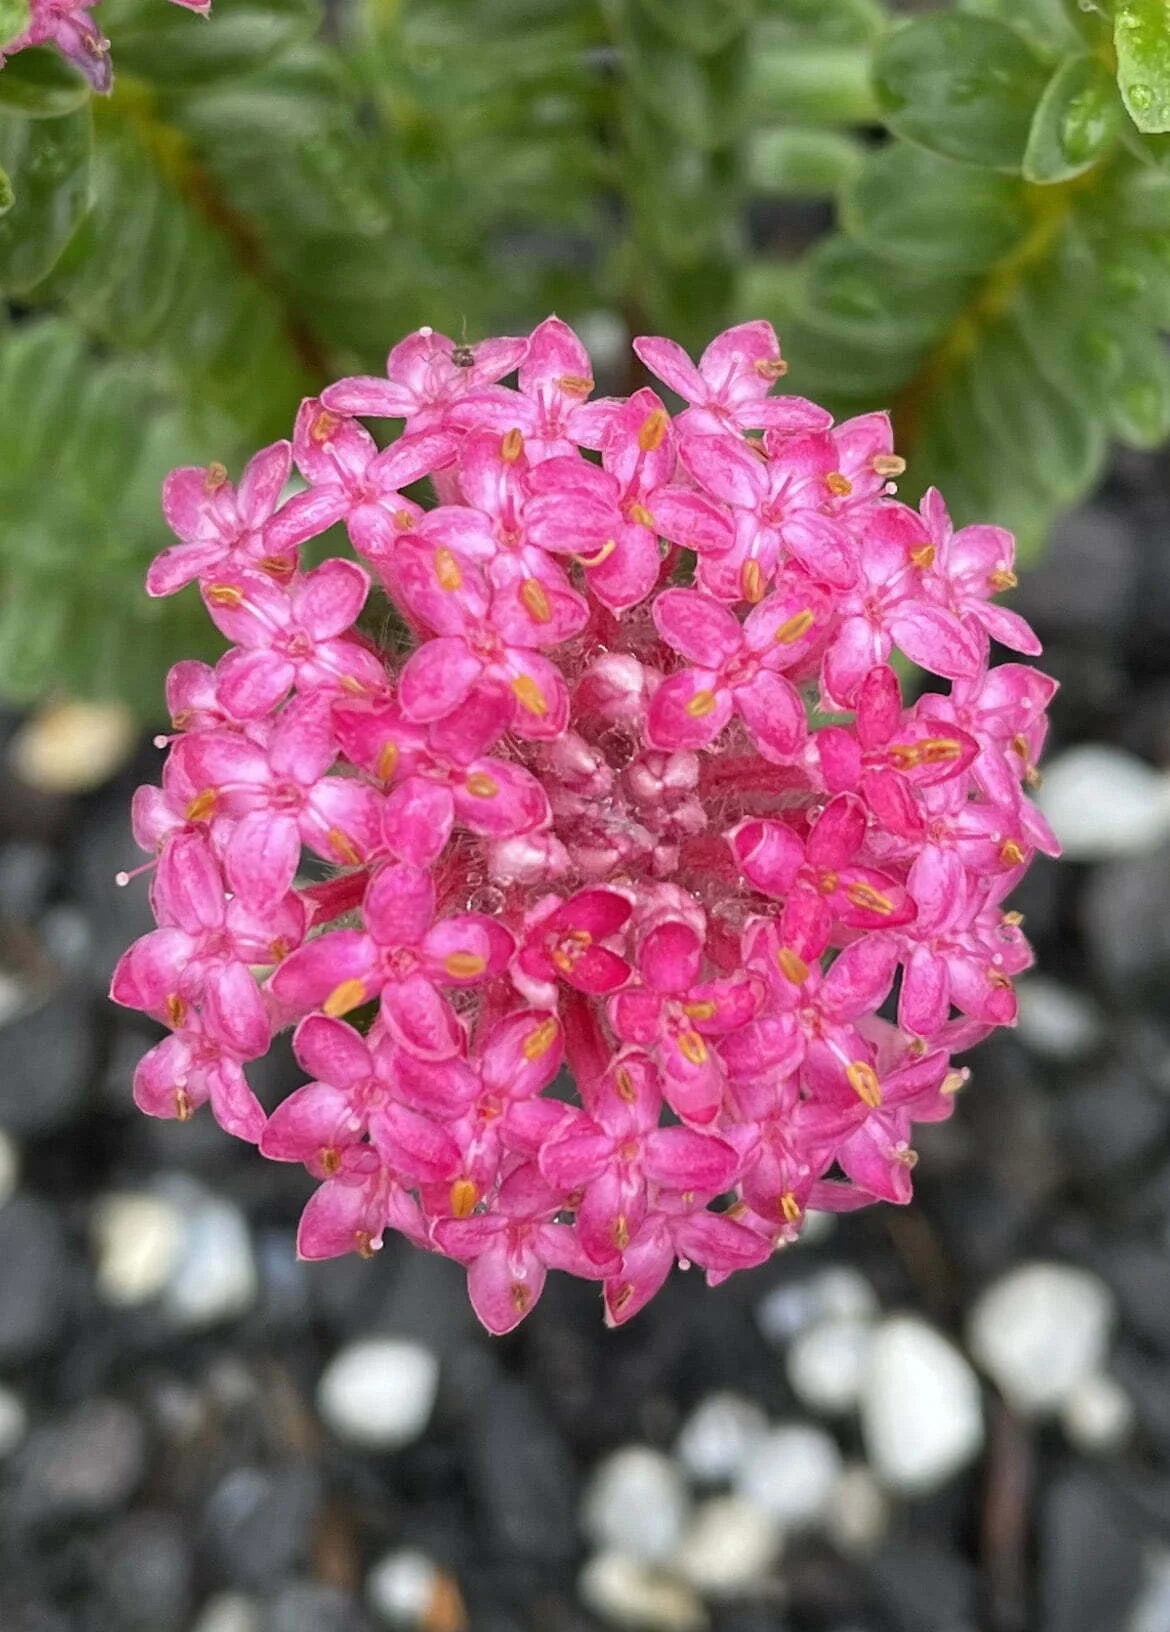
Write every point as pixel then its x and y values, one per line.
pixel 40 84
pixel 801 83
pixel 1139 404
pixel 1141 36
pixel 965 87
pixel 700 25
pixel 174 47
pixel 855 293
pixel 907 204
pixel 835 22
pixel 700 99
pixel 48 165
pixel 1055 27
pixel 1077 122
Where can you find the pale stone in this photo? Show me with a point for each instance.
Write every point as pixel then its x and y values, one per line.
pixel 729 1547
pixel 1056 1021
pixel 1103 802
pixel 636 1502
pixel 215 1277
pixel 1039 1331
pixel 379 1392
pixel 229 1612
pixel 1098 1415
pixel 921 1410
pixel 791 1473
pixel 718 1435
pixel 73 747
pixel 859 1514
pixel 138 1239
pixel 629 1593
pixel 827 1364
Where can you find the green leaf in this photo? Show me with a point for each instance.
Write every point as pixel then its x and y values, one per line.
pixel 1055 27
pixel 1139 404
pixel 794 163
pixel 912 206
pixel 1077 122
pixel 800 83
pixel 964 87
pixel 40 84
pixel 835 22
pixel 1141 37
pixel 173 47
pixel 48 163
pixel 852 292
pixel 700 99
pixel 701 25
pixel 84 446
pixel 7 196
pixel 14 18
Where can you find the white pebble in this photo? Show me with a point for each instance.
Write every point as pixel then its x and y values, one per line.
pixel 73 747
pixel 827 1364
pixel 729 1547
pixel 921 1410
pixel 215 1276
pixel 790 1307
pixel 13 1421
pixel 717 1436
pixel 1098 1415
pixel 637 1503
pixel 1057 1022
pixel 627 1592
pixel 379 1392
pixel 1039 1331
pixel 408 1591
pixel 137 1239
pixel 9 1163
pixel 229 1612
pixel 1151 1613
pixel 791 1473
pixel 859 1514
pixel 1103 802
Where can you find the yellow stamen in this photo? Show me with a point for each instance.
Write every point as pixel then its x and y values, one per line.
pixel 791 966
pixel 702 1010
pixel 344 847
pixel 770 368
pixel 521 1296
pixel 1003 578
pixel 701 704
pixel 184 1109
pixel 863 1079
pixel 202 805
pixel 512 446
pixel 622 1296
pixel 621 1232
pixel 387 761
pixel 888 464
pixel 353 686
pixel 363 1244
pixel 464 965
pixel 538 1042
pixel 575 385
pixel 447 569
pixel 562 960
pixel 953 1081
pixel 923 556
pixel 864 895
pixel 603 554
pixel 625 1085
pixel 464 1195
pixel 529 694
pixel 793 628
pixel 752 581
pixel 1010 853
pixel 343 998
pixel 1012 919
pixel 789 1207
pixel 323 426
pixel 482 786
pixel 536 601
pixel 215 477
pixel 838 484
pixel 176 1010
pixel 640 514
pixel 827 882
pixel 330 1160
pixel 692 1047
pixel 278 949
pixel 652 430
pixel 403 520
pixel 224 595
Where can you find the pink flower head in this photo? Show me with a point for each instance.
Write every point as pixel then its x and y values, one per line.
pixel 586 916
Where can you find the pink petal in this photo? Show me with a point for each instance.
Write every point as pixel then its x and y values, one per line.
pixel 332 1052
pixel 311 1121
pixel 822 546
pixel 330 598
pixel 687 711
pixel 691 520
pixel 774 714
pixel 414 1145
pixel 682 1159
pixel 725 468
pixel 769 854
pixel 935 640
pixel 304 516
pixel 399 906
pixel 417 821
pixel 701 629
pixel 251 683
pixel 436 679
pixel 421 1019
pixel 260 486
pixel 667 360
pixel 234 1010
pixel 341 961
pixel 262 857
pixel 233 1104
pixel 670 957
pixel 838 832
pixel 504 1287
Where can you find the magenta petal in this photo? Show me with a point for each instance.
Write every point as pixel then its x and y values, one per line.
pixel 701 629
pixel 343 959
pixel 436 678
pixel 769 855
pixel 233 1104
pixel 400 905
pixel 671 956
pixel 312 1120
pixel 332 1052
pixel 774 714
pixel 414 1145
pixel 260 486
pixel 504 1287
pixel 330 598
pixel 262 857
pixel 251 683
pixel 682 1159
pixel 687 712
pixel 838 832
pixel 417 820
pixel 935 639
pixel 421 1019
pixel 234 1010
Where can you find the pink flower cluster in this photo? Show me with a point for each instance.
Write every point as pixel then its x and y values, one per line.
pixel 623 832
pixel 67 24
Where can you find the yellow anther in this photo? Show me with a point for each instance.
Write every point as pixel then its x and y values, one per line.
pixel 953 1081
pixel 1010 853
pixel 793 628
pixel 482 786
pixel 529 695
pixel 330 1159
pixel 865 896
pixel 840 486
pixel 224 595
pixel 536 601
pixel 888 464
pixel 703 1009
pixel 540 1039
pixel 692 1047
pixel 363 1243
pixel 789 1207
pixel 512 445
pixel 1012 919
pixel 791 966
pixel 176 1010
pixel 323 426
pixel 387 761
pixel 640 515
pixel 575 385
pixel 923 556
pixel 621 1232
pixel 624 1083
pixel 562 960
pixel 652 430
pixel 215 477
pixel 184 1109
pixel 344 847
pixel 770 368
pixel 1002 578
pixel 202 805
pixel 464 1195
pixel 863 1079
pixel 752 581
pixel 464 965
pixel 348 995
pixel 828 882
pixel 521 1296
pixel 603 554
pixel 701 704
pixel 447 569
pixel 403 520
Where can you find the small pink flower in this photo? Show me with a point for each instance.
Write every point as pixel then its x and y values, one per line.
pixel 426 373
pixel 221 527
pixel 729 390
pixel 565 940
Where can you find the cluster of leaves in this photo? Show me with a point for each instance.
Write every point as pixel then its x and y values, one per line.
pixel 266 202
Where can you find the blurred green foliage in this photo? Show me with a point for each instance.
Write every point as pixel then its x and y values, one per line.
pixel 269 199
